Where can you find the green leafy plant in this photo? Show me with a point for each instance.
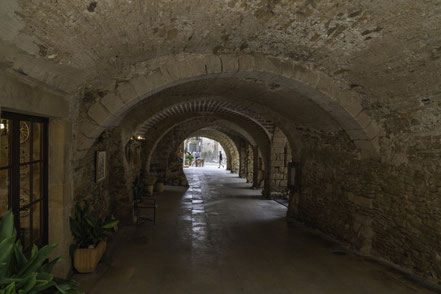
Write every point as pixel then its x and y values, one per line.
pixel 89 230
pixel 189 157
pixel 27 275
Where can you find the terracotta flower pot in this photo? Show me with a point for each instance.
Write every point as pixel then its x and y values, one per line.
pixel 159 187
pixel 86 259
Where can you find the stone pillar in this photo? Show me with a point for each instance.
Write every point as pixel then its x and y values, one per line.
pixel 60 191
pixel 125 164
pixel 242 160
pixel 250 164
pixel 280 158
pixel 256 167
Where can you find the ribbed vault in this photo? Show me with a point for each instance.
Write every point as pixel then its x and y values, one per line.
pixel 207 106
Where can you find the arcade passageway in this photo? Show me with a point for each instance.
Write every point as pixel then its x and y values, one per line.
pixel 219 236
pixel 330 107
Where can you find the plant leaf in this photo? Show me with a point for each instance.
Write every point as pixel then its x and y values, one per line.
pixel 110 224
pixel 48 267
pixel 27 283
pixel 36 262
pixel 10 289
pixel 7 226
pixel 6 254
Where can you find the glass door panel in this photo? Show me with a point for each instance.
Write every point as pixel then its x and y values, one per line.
pixel 24 232
pixel 36 183
pixel 4 191
pixel 25 143
pixel 36 140
pixel 23 175
pixel 4 142
pixel 25 186
pixel 36 223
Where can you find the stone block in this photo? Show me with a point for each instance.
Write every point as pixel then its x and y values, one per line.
pixel 278 163
pixel 278 150
pixel 141 85
pixel 229 64
pixel 112 103
pixel 363 119
pixel 350 103
pixel 372 130
pixel 189 69
pixel 158 80
pixel 127 92
pixel 246 63
pixel 213 64
pixel 277 176
pixel 90 129
pixel 264 64
pixel 99 114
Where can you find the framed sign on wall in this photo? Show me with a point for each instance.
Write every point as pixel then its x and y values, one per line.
pixel 100 166
pixel 294 176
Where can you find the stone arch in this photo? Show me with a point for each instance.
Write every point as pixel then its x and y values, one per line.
pixel 194 123
pixel 227 143
pixel 168 71
pixel 162 154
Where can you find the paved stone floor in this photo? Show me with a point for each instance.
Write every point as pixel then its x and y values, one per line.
pixel 220 236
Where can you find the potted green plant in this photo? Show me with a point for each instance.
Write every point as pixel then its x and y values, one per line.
pixel 188 159
pixel 159 185
pixel 150 182
pixel 90 234
pixel 28 274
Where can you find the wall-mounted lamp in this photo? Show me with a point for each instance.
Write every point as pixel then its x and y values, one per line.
pixel 4 126
pixel 137 138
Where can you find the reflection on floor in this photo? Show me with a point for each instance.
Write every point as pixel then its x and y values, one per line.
pixel 219 236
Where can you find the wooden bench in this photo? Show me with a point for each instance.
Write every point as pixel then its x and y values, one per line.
pixel 146 203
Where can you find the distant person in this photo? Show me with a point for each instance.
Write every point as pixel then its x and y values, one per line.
pixel 196 157
pixel 220 159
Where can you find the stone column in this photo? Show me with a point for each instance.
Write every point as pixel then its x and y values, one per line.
pixel 60 191
pixel 256 167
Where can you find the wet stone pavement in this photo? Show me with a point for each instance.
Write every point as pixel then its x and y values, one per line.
pixel 220 236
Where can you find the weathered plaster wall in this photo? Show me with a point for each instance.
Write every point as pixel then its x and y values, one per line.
pixel 19 93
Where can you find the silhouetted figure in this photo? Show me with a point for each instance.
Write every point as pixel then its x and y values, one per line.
pixel 220 159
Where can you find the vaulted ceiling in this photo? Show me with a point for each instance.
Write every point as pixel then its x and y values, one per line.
pixel 374 47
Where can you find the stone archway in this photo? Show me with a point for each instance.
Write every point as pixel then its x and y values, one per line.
pixel 227 144
pixel 169 71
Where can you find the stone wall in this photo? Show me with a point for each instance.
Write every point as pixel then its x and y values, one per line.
pixel 249 161
pixel 165 163
pixel 280 158
pixel 391 212
pixel 113 195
